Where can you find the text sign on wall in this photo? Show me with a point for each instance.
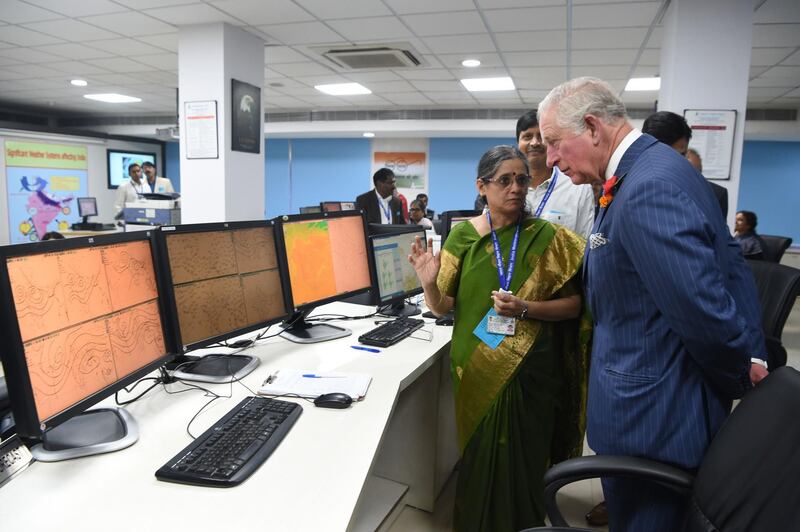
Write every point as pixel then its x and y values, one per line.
pixel 712 137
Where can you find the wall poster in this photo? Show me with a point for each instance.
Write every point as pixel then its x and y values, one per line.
pixel 712 137
pixel 246 130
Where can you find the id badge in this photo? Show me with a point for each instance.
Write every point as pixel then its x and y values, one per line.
pixel 505 325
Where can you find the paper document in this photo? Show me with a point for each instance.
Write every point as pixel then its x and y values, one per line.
pixel 313 384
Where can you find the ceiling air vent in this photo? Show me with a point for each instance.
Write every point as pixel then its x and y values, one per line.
pixel 383 56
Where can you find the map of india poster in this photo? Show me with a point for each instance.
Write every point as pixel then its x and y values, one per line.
pixel 43 182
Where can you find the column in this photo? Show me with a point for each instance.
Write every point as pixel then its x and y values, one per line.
pixel 230 187
pixel 705 64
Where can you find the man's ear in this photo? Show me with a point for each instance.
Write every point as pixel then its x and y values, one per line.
pixel 593 125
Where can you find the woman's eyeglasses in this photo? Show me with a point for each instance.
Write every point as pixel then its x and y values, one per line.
pixel 505 180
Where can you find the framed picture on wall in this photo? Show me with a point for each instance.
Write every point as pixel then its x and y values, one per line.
pixel 713 132
pixel 246 117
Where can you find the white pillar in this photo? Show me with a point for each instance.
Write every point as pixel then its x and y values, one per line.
pixel 705 64
pixel 232 186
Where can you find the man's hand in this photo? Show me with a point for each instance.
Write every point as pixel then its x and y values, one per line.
pixel 757 373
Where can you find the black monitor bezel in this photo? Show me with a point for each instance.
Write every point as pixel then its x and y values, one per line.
pixel 80 211
pixel 109 151
pixel 23 404
pixel 447 218
pixel 376 299
pixel 282 257
pixel 169 290
pixel 383 229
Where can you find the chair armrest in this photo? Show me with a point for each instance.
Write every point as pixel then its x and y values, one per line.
pixel 776 352
pixel 587 467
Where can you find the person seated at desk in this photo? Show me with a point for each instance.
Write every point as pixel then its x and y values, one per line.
pixel 417 214
pixel 429 214
pixel 52 235
pixel 519 383
pixel 160 185
pixel 745 233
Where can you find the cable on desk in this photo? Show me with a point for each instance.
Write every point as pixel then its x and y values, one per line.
pixel 428 339
pixel 339 317
pixel 156 382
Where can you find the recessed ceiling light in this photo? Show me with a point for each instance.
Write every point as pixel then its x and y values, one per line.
pixel 368 134
pixel 343 89
pixel 471 63
pixel 643 84
pixel 112 98
pixel 79 82
pixel 488 84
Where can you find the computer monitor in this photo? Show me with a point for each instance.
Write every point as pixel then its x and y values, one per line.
pixel 451 219
pixel 310 209
pixel 348 205
pixel 118 162
pixel 221 280
pixel 324 259
pixel 87 207
pixel 382 229
pixel 330 206
pixel 395 278
pixel 81 318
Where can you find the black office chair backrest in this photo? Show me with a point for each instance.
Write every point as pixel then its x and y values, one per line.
pixel 748 478
pixel 778 287
pixel 775 247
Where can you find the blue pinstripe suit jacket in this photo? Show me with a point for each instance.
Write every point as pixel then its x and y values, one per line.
pixel 676 313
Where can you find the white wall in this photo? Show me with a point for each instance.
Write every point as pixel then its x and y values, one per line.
pixel 97 169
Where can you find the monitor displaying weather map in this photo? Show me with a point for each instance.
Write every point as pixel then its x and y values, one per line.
pixel 326 258
pixel 396 277
pixel 87 317
pixel 224 280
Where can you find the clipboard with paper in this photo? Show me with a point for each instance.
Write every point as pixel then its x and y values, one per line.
pixel 313 384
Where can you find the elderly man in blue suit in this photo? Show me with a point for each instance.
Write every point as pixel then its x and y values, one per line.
pixel 677 332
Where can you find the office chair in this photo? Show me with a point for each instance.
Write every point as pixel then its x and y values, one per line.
pixel 775 247
pixel 748 477
pixel 778 288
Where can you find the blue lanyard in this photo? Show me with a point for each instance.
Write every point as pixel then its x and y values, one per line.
pixel 505 278
pixel 547 193
pixel 387 211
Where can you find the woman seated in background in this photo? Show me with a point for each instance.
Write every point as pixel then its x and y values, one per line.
pixel 417 214
pixel 745 233
pixel 519 350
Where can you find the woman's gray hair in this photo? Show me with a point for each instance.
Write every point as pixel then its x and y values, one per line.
pixel 493 158
pixel 579 97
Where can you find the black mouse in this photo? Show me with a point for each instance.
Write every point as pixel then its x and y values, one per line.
pixel 333 400
pixel 445 320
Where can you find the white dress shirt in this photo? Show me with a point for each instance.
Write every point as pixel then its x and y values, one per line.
pixel 616 157
pixel 569 205
pixel 384 207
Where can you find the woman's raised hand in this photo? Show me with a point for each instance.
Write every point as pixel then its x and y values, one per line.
pixel 425 263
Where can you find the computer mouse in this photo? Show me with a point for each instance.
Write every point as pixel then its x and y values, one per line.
pixel 333 400
pixel 445 320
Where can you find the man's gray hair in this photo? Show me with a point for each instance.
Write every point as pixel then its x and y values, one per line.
pixel 579 97
pixel 496 156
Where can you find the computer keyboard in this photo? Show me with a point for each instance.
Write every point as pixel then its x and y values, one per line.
pixel 391 332
pixel 231 450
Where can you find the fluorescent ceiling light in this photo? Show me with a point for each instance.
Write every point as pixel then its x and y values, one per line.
pixel 112 98
pixel 488 84
pixel 643 84
pixel 470 63
pixel 343 89
pixel 368 134
pixel 79 82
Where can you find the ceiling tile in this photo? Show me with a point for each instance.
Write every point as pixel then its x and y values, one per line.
pixel 531 19
pixel 259 12
pixel 486 59
pixel 425 74
pixel 404 7
pixel 761 81
pixel 437 85
pixel 602 72
pixel 17 35
pixel 529 59
pixel 119 79
pixel 608 38
pixel 125 47
pixel 777 11
pixel 765 93
pixel 793 94
pixel 167 41
pixel 655 38
pixel 397 86
pixel 190 14
pixel 769 56
pixel 407 98
pixel 650 57
pixel 79 9
pixel 308 68
pixel 302 33
pixel 623 56
pixel 5 61
pixel 776 35
pixel 31 71
pixel 130 24
pixel 29 55
pixel 794 59
pixel 327 10
pixel 451 44
pixel 375 75
pixel 147 4
pixel 783 71
pixel 431 24
pixel 73 51
pixel 160 76
pixel 71 30
pixel 451 97
pixel 119 64
pixel 757 71
pixel 497 72
pixel 319 79
pixel 614 15
pixel 367 29
pixel 76 67
pixel 538 77
pixel 163 61
pixel 525 41
pixel 533 95
pixel 503 4
pixel 16 12
pixel 283 54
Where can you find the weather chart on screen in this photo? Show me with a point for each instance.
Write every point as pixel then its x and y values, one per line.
pixel 330 252
pixel 87 318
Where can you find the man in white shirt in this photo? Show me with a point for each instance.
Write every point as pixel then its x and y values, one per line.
pixel 552 195
pixel 155 183
pixel 130 189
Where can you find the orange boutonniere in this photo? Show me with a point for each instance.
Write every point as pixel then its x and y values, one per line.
pixel 608 192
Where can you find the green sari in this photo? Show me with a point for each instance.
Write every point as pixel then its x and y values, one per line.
pixel 519 407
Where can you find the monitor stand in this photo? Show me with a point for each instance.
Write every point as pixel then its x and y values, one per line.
pixel 96 431
pixel 214 368
pixel 401 309
pixel 302 332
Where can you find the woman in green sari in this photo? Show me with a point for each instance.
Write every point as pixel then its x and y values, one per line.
pixel 520 395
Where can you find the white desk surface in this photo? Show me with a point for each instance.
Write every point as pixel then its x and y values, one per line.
pixel 311 482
